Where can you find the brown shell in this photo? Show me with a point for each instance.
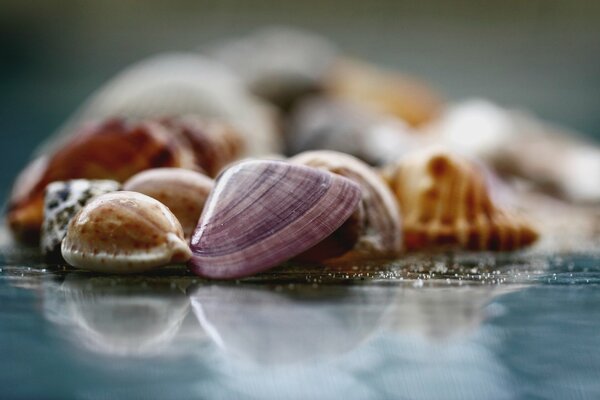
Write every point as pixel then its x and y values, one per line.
pixel 183 191
pixel 124 232
pixel 446 203
pixel 376 226
pixel 113 149
pixel 215 144
pixel 392 93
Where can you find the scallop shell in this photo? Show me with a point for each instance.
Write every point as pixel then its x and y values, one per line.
pixel 390 92
pixel 279 64
pixel 114 149
pixel 124 232
pixel 176 84
pixel 183 191
pixel 262 213
pixel 62 201
pixel 380 226
pixel 446 202
pixel 215 144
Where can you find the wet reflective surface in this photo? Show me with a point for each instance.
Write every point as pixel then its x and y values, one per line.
pixel 468 327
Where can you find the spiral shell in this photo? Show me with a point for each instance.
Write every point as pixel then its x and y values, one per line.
pixel 183 191
pixel 124 232
pixel 446 203
pixel 114 149
pixel 379 227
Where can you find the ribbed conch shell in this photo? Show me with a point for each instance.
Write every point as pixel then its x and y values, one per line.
pixel 277 63
pixel 215 144
pixel 177 84
pixel 114 149
pixel 379 227
pixel 62 201
pixel 321 123
pixel 124 232
pixel 390 92
pixel 261 213
pixel 183 191
pixel 446 203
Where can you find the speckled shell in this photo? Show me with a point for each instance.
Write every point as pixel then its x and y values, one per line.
pixel 404 97
pixel 183 191
pixel 177 84
pixel 124 232
pixel 114 149
pixel 279 64
pixel 321 123
pixel 380 226
pixel 62 201
pixel 214 143
pixel 262 213
pixel 446 203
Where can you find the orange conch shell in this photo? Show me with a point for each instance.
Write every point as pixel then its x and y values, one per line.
pixel 445 201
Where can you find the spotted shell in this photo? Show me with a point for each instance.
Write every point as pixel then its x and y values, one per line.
pixel 114 149
pixel 124 232
pixel 183 191
pixel 404 97
pixel 379 225
pixel 446 203
pixel 62 201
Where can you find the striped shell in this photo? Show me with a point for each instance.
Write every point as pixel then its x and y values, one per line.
pixel 114 149
pixel 262 213
pixel 446 203
pixel 183 191
pixel 62 201
pixel 380 226
pixel 124 232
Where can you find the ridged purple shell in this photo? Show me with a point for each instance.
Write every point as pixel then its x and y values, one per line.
pixel 261 213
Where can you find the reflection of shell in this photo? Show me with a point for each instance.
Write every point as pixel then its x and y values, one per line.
pixel 110 150
pixel 62 201
pixel 321 123
pixel 181 84
pixel 445 202
pixel 380 228
pixel 279 64
pixel 124 232
pixel 183 191
pixel 262 213
pixel 214 144
pixel 384 91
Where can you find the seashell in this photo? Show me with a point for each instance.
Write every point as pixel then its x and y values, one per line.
pixel 321 123
pixel 114 149
pixel 565 164
pixel 177 84
pixel 214 144
pixel 379 227
pixel 62 201
pixel 262 213
pixel 446 202
pixel 124 232
pixel 384 91
pixel 277 63
pixel 183 191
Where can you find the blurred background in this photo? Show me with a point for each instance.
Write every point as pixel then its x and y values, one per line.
pixel 543 55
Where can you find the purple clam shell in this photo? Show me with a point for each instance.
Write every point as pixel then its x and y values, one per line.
pixel 261 213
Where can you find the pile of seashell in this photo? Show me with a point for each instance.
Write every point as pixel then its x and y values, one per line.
pixel 183 158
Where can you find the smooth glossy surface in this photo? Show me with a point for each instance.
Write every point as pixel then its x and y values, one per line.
pixel 124 232
pixel 463 327
pixel 262 213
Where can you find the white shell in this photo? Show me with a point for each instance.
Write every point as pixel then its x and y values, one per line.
pixel 124 232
